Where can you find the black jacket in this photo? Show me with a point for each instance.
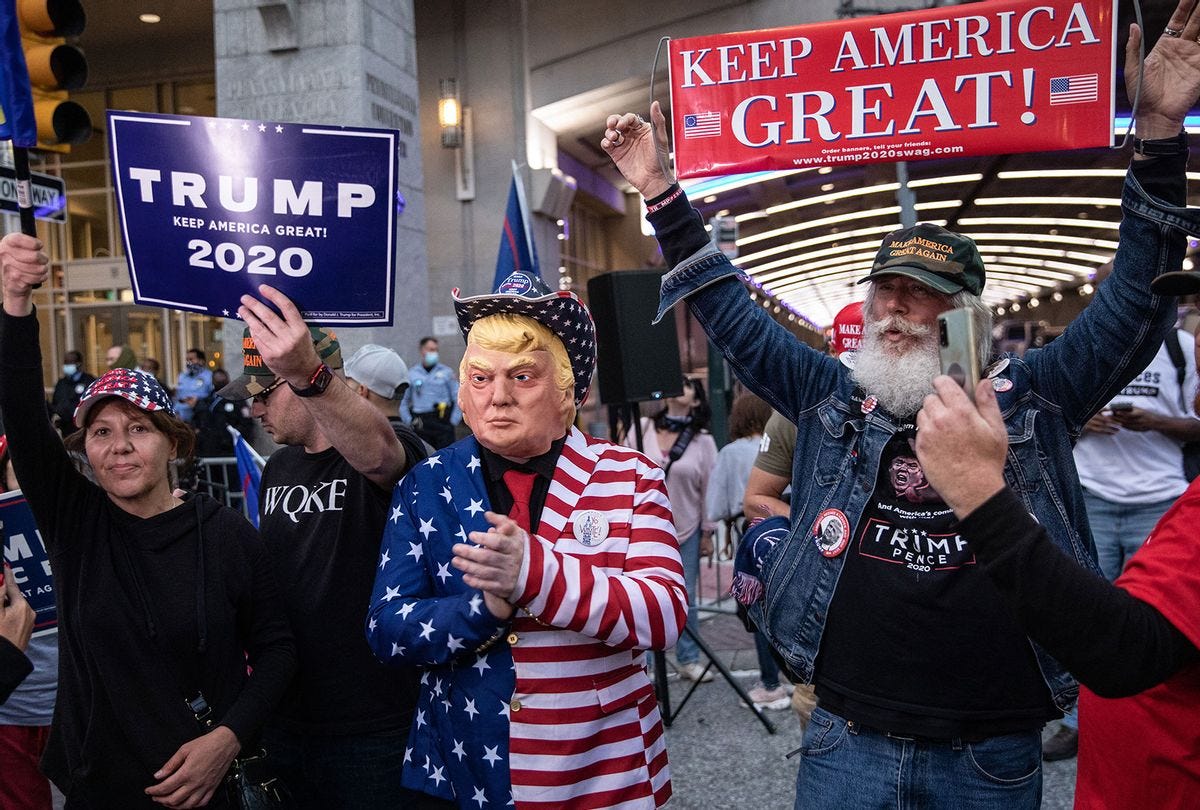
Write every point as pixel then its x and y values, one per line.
pixel 129 593
pixel 67 392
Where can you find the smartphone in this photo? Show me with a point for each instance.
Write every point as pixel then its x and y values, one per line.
pixel 957 348
pixel 1121 407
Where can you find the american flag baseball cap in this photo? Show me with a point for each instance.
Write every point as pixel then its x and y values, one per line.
pixel 133 385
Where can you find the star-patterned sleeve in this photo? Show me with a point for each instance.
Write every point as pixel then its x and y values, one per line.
pixel 641 606
pixel 422 614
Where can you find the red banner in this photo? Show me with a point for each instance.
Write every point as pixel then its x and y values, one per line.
pixel 978 79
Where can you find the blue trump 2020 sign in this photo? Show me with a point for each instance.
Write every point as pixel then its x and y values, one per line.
pixel 25 553
pixel 212 207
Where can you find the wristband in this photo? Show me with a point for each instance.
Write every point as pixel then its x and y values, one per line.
pixel 665 201
pixel 1161 147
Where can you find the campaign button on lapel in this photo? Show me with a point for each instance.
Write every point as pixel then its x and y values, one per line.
pixel 591 527
pixel 831 532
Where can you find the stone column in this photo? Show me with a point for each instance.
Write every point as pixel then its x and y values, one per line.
pixel 347 62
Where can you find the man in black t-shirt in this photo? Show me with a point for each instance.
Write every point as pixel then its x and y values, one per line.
pixel 338 738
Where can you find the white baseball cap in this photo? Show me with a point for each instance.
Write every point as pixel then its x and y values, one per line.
pixel 380 369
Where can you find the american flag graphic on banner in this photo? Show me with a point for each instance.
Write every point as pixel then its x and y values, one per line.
pixel 702 125
pixel 1074 89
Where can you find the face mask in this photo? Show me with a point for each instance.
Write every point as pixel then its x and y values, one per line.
pixel 431 358
pixel 194 368
pixel 69 369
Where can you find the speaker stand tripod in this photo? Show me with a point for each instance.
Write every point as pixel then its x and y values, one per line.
pixel 661 690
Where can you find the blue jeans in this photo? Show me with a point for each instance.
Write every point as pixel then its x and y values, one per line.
pixel 768 670
pixel 686 650
pixel 846 765
pixel 1119 529
pixel 343 772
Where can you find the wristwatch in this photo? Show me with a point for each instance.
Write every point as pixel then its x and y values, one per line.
pixel 317 383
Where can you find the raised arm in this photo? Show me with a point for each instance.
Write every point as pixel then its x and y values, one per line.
pixel 1120 331
pixel 1113 642
pixel 765 356
pixel 351 424
pixel 55 489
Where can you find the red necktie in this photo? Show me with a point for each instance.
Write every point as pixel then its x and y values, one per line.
pixel 520 486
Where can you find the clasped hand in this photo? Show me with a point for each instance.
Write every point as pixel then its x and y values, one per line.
pixel 493 564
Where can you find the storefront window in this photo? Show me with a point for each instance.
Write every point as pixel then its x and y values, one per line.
pixel 89 218
pixel 88 303
pixel 198 98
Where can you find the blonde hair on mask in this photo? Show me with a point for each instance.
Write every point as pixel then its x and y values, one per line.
pixel 518 334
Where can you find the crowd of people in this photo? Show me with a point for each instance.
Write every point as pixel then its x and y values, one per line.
pixel 423 620
pixel 932 685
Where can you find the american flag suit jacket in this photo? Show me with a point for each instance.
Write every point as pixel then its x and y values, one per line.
pixel 557 710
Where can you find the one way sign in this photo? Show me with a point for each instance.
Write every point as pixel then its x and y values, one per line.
pixel 49 195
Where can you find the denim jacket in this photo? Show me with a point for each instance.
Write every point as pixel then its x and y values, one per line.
pixel 838 448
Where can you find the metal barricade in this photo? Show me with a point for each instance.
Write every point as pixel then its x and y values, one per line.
pixel 716 571
pixel 217 476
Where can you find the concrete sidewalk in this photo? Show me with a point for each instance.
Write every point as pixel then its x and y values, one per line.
pixel 722 757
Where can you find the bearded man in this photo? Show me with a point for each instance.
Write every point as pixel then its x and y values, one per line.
pixel 931 694
pixel 526 569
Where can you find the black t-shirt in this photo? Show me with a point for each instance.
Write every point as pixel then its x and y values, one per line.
pixel 323 522
pixel 918 640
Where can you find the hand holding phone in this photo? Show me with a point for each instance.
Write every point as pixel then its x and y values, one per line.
pixel 957 348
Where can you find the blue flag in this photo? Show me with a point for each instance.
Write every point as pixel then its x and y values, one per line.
pixel 517 251
pixel 249 464
pixel 17 122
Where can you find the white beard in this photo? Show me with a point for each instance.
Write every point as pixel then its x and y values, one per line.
pixel 899 380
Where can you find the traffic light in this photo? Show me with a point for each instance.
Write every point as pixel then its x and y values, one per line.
pixel 55 68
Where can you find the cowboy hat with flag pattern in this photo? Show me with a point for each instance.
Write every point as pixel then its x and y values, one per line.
pixel 562 312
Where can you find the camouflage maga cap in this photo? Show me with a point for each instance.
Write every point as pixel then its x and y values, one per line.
pixel 256 377
pixel 946 261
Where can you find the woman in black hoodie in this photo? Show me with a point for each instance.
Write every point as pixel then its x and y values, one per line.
pixel 160 599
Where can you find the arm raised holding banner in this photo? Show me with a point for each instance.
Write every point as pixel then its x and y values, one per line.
pixel 358 431
pixel 857 424
pixel 1170 76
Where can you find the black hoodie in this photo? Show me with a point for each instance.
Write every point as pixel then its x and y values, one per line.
pixel 130 592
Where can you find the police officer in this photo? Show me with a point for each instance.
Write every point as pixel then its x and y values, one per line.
pixel 431 402
pixel 67 391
